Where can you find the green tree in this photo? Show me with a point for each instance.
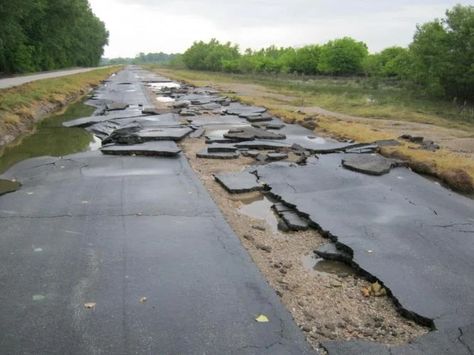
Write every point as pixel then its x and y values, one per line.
pixel 342 57
pixel 210 56
pixel 443 54
pixel 49 34
pixel 391 62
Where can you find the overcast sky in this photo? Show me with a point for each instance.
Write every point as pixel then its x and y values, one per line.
pixel 172 25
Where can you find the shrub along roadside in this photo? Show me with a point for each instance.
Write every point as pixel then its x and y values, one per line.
pixel 455 170
pixel 439 61
pixel 22 106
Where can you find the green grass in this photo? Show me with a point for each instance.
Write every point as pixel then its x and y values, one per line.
pixel 353 96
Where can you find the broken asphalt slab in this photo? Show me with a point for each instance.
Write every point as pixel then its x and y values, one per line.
pixel 110 230
pixel 371 164
pixel 412 234
pixel 457 341
pixel 206 154
pixel 239 182
pixel 160 148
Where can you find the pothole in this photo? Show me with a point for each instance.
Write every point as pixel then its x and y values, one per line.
pixel 259 207
pixel 313 264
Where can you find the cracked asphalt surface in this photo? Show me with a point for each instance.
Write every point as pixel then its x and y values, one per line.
pixel 122 254
pixel 139 241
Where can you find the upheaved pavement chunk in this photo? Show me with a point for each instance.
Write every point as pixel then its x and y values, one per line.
pixel 329 251
pixel 161 148
pixel 239 182
pixel 205 154
pixel 413 235
pixel 251 133
pixel 221 147
pixel 262 144
pixel 241 110
pixel 372 164
pixel 135 134
pixel 116 106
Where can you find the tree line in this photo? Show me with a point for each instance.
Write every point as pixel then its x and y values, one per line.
pixel 141 58
pixel 440 60
pixel 40 35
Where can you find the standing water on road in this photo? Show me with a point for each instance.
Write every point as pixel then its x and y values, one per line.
pixel 51 138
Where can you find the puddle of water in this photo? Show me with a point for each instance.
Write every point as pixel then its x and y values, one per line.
pixel 216 133
pixel 51 138
pixel 317 140
pixel 7 186
pixel 259 207
pixel 165 99
pixel 318 265
pixel 159 86
pixel 95 144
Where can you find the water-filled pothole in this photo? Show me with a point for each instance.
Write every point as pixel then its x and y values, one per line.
pixel 259 206
pixel 166 85
pixel 318 265
pixel 165 99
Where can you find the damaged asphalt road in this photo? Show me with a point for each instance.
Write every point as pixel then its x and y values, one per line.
pixel 125 254
pixel 412 234
pixel 130 232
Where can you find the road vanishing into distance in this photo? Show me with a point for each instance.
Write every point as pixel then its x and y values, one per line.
pixel 128 255
pixel 115 251
pixel 6 83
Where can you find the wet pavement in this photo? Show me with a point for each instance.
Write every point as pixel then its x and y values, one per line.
pixel 127 228
pixel 128 254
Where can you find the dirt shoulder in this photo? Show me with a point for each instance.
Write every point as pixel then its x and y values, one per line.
pixel 453 163
pixel 325 305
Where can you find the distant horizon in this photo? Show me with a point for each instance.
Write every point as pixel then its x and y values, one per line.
pixel 151 26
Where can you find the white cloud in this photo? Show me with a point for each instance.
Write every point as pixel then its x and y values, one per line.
pixel 172 25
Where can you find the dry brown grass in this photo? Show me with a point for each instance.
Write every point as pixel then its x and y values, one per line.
pixel 455 170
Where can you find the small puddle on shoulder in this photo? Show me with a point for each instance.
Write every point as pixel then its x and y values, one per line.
pixel 317 265
pixel 7 186
pixel 258 206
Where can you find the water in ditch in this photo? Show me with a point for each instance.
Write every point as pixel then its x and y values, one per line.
pixel 51 138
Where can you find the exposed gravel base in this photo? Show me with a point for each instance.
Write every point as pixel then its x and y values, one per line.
pixel 325 306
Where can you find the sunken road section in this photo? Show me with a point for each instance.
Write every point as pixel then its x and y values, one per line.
pixel 125 255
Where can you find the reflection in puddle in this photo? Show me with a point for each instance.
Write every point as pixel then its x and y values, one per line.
pixel 318 265
pixel 216 133
pixel 51 138
pixel 7 186
pixel 165 99
pixel 317 140
pixel 259 207
pixel 159 86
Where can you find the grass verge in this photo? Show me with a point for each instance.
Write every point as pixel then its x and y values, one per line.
pixel 455 170
pixel 21 106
